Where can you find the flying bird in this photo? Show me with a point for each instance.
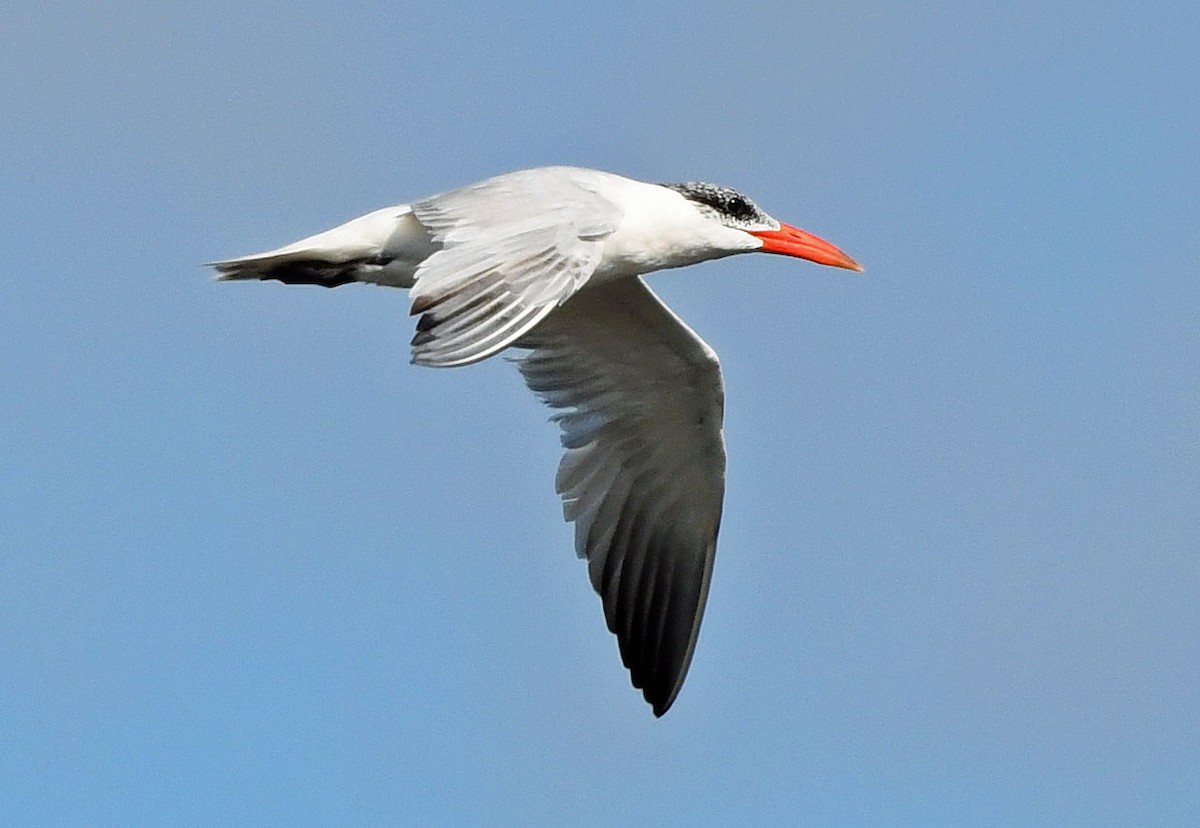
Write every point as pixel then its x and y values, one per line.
pixel 550 260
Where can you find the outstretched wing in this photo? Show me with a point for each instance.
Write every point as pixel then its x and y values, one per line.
pixel 513 248
pixel 643 476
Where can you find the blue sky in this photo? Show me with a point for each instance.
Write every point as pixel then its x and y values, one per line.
pixel 257 569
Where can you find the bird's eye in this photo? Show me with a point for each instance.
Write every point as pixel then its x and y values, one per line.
pixel 738 205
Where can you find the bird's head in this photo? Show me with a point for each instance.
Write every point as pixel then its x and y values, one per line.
pixel 737 211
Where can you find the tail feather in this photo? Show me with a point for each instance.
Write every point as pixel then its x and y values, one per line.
pixel 382 247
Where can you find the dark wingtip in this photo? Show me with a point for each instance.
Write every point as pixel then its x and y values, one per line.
pixel 420 304
pixel 424 335
pixel 662 697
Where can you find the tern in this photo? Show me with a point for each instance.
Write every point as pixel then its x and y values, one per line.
pixel 550 261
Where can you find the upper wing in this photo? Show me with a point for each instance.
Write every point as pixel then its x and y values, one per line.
pixel 643 476
pixel 514 248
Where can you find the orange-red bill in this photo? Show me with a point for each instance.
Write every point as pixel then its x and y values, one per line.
pixel 792 241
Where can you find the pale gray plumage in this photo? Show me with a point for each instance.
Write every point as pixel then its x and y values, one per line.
pixel 511 252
